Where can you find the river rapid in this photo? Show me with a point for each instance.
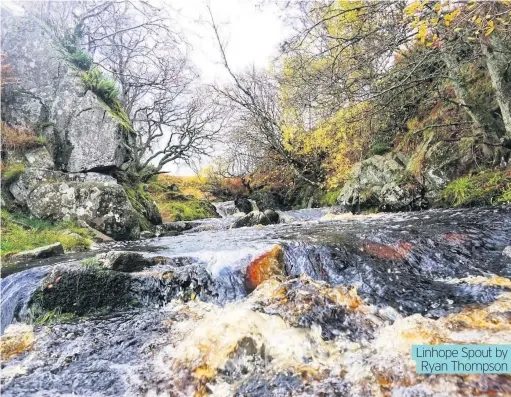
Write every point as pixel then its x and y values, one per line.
pixel 322 304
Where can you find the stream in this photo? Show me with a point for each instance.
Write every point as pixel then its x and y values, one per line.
pixel 320 304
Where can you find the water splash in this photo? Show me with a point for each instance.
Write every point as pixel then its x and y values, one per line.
pixel 17 290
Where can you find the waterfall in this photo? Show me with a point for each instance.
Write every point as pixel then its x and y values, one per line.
pixel 17 289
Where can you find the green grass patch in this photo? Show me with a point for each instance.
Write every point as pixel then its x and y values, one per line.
pixel 486 188
pixel 175 206
pixel 100 85
pixel 10 171
pixel 21 232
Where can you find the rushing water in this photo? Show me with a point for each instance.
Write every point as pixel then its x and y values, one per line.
pixel 339 317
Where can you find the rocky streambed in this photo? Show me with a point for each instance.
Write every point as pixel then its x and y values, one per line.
pixel 323 304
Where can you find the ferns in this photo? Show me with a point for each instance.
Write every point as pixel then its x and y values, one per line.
pixel 103 87
pixel 80 59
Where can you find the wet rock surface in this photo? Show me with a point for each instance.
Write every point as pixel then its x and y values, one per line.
pixel 39 253
pixel 333 309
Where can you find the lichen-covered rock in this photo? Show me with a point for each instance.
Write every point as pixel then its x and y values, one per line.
pixel 49 97
pixel 383 183
pixel 103 205
pixel 31 178
pixel 251 219
pixel 39 158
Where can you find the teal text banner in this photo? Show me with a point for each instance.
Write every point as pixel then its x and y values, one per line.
pixel 462 359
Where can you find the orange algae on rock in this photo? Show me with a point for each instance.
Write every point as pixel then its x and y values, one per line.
pixel 15 341
pixel 396 252
pixel 263 267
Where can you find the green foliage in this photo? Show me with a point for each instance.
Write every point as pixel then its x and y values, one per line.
pixel 103 87
pixel 379 149
pixel 21 232
pixel 486 188
pixel 80 59
pixel 329 198
pixel 10 172
pixel 91 262
pixel 52 316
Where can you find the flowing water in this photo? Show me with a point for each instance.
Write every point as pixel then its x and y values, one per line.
pixel 338 302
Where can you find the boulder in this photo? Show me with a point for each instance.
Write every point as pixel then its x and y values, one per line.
pixel 272 215
pixel 39 253
pixel 102 205
pixel 39 158
pixel 252 219
pixel 48 96
pixel 383 183
pixel 34 177
pixel 243 204
pixel 174 228
pixel 507 251
pixel 124 261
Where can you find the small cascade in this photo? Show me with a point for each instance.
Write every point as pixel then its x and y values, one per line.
pixel 17 290
pixel 225 208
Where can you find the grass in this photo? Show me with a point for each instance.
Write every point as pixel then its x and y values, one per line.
pixel 186 205
pixel 21 232
pixel 9 172
pixel 486 188
pixel 19 138
pixel 100 85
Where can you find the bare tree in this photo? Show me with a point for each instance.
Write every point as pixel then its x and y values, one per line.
pixel 141 48
pixel 254 99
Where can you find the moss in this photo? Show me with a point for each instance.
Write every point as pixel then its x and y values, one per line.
pixel 91 262
pixel 21 232
pixel 140 201
pixel 379 149
pixel 75 291
pixel 486 188
pixel 103 87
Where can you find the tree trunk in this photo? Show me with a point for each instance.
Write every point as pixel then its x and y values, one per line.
pixel 453 69
pixel 499 67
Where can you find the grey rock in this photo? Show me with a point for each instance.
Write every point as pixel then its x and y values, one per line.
pixel 507 251
pixel 102 205
pixel 147 234
pixel 124 261
pixel 252 219
pixel 383 183
pixel 272 215
pixel 97 236
pixel 243 204
pixel 34 177
pixel 39 158
pixel 39 253
pixel 176 227
pixel 49 97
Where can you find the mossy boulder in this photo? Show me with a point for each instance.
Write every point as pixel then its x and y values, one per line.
pixel 382 183
pixel 103 205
